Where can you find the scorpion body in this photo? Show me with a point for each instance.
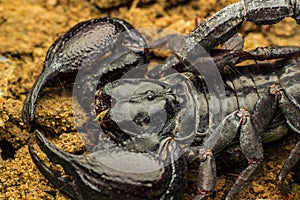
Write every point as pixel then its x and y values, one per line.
pixel 254 101
pixel 260 100
pixel 250 94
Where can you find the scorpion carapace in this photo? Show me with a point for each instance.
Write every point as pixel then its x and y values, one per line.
pixel 147 120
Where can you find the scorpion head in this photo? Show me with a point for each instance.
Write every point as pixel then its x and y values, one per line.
pixel 147 110
pixel 141 108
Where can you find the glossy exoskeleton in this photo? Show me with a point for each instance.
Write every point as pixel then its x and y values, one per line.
pixel 155 120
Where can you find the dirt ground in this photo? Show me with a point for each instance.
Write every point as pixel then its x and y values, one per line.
pixel 29 27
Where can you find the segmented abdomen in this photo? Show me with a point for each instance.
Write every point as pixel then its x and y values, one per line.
pixel 252 83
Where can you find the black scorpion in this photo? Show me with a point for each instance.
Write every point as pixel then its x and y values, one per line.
pixel 254 99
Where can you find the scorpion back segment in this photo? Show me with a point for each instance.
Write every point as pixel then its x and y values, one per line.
pixel 275 11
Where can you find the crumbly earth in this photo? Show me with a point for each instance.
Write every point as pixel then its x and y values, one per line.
pixel 28 28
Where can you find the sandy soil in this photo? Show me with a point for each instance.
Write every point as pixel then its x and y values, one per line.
pixel 29 27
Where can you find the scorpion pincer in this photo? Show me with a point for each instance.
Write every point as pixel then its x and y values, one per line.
pixel 88 39
pixel 261 99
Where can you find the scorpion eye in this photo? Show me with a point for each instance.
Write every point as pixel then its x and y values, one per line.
pixel 150 95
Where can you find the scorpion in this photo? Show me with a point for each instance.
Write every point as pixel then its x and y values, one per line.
pixel 261 99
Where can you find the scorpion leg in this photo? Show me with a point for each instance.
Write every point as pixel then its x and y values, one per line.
pixel 170 149
pixel 251 138
pixel 251 145
pixel 291 110
pixel 250 129
pixel 289 163
pixel 215 142
pixel 265 53
pixel 224 58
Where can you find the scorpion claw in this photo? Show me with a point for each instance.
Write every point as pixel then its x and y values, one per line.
pixel 32 97
pixel 54 154
pixel 90 176
pixel 54 177
pixel 66 55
